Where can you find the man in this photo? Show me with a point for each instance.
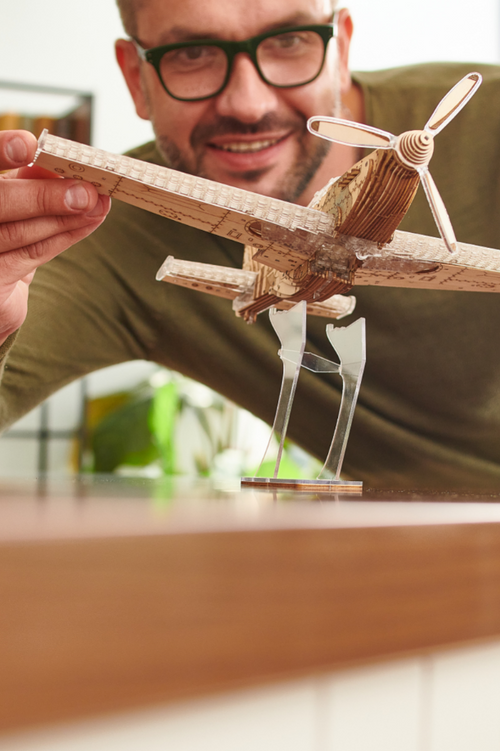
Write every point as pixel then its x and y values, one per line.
pixel 429 413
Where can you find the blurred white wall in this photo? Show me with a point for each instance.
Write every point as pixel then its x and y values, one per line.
pixel 70 43
pixel 395 32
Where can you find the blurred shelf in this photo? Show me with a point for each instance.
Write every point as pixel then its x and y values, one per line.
pixel 64 112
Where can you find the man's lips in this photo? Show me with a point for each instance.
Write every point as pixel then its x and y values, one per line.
pixel 244 147
pixel 247 153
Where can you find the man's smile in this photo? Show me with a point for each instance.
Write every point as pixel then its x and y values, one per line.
pixel 238 153
pixel 247 146
pixel 250 134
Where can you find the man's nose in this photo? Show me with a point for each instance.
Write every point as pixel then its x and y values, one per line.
pixel 246 97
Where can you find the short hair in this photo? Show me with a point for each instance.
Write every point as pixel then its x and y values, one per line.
pixel 128 10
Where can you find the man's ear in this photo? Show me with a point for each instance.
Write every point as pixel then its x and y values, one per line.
pixel 129 62
pixel 345 27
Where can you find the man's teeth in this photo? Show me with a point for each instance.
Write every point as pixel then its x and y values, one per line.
pixel 249 146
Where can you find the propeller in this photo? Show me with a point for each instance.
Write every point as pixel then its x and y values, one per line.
pixel 414 148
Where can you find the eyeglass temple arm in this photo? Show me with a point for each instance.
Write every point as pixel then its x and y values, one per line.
pixel 140 50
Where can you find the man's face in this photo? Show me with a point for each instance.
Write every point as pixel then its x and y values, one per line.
pixel 251 135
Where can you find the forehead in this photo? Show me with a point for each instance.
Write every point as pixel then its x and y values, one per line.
pixel 160 22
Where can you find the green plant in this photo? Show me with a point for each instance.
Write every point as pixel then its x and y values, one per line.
pixel 175 426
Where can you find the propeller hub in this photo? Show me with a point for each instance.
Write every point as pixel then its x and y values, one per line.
pixel 415 148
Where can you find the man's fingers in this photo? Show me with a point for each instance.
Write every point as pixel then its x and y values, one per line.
pixel 38 194
pixel 35 173
pixel 21 234
pixel 17 148
pixel 16 264
pixel 24 199
pixel 40 216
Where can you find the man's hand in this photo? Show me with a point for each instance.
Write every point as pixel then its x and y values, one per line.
pixel 40 216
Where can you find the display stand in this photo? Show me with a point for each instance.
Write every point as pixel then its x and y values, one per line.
pixel 349 343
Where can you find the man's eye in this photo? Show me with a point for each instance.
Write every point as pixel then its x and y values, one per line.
pixel 292 42
pixel 288 40
pixel 192 55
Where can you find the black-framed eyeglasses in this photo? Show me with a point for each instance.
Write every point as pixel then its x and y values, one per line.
pixel 200 69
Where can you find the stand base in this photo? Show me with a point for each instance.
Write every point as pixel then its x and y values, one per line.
pixel 308 486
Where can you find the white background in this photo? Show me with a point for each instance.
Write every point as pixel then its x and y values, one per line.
pixel 69 43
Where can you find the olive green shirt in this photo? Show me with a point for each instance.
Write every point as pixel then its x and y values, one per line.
pixel 428 414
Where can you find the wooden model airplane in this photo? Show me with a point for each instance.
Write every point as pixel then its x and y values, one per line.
pixel 367 202
pixel 347 237
pixel 308 255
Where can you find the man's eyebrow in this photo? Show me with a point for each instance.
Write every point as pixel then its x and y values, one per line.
pixel 299 19
pixel 185 34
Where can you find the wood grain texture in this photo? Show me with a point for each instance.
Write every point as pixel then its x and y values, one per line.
pixel 96 625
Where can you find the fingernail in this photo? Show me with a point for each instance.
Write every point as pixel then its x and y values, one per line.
pixel 17 150
pixel 77 197
pixel 98 208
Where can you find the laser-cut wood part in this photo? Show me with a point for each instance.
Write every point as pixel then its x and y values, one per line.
pixel 392 186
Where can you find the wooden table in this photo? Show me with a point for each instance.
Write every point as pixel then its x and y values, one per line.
pixel 117 594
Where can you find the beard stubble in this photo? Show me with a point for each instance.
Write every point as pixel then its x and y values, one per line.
pixel 311 152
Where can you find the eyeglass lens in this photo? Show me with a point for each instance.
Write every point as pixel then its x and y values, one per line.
pixel 288 59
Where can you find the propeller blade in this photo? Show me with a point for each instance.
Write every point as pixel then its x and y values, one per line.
pixel 439 211
pixel 451 104
pixel 350 134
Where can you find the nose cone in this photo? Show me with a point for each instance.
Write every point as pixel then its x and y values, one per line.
pixel 415 148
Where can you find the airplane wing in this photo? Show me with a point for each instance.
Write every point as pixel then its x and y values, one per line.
pixel 283 237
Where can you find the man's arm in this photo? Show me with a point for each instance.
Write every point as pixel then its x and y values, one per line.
pixel 40 216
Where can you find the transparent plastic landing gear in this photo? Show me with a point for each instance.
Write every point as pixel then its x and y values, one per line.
pixel 349 343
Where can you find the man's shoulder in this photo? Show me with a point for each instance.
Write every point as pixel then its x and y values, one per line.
pixel 424 75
